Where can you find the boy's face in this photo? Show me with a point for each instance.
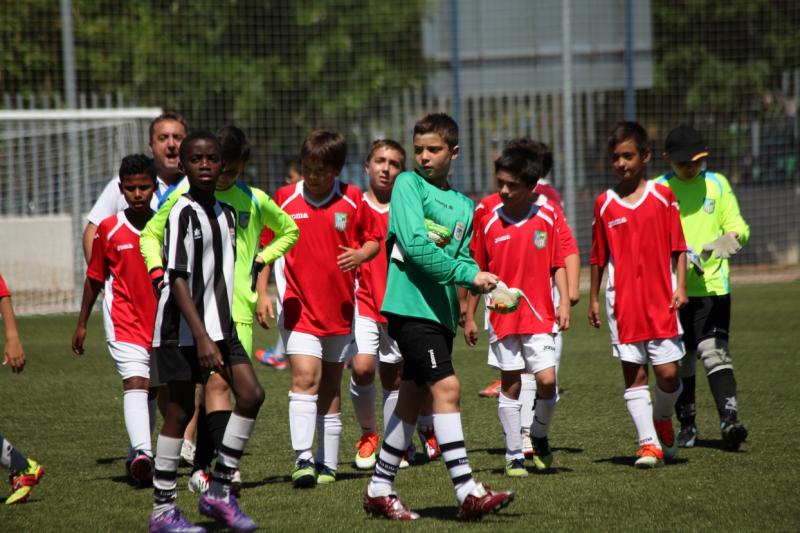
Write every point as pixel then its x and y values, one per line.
pixel 202 165
pixel 687 170
pixel 165 144
pixel 318 178
pixel 513 191
pixel 432 156
pixel 138 189
pixel 383 167
pixel 292 176
pixel 628 162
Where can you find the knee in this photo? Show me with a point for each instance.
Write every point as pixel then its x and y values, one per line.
pixel 362 373
pixel 305 383
pixel 249 401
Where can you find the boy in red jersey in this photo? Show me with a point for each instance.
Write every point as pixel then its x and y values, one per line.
pixel 637 234
pixel 315 321
pixel 129 307
pixel 520 232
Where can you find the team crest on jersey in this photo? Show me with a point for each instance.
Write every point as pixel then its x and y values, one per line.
pixel 340 221
pixel 244 219
pixel 539 239
pixel 708 205
pixel 458 234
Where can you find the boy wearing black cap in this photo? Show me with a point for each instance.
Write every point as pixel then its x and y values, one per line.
pixel 714 231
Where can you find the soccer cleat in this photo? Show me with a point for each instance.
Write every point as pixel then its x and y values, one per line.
pixel 173 521
pixel 482 500
pixel 388 507
pixel 733 433
pixel 649 456
pixel 666 436
pixel 279 362
pixel 516 468
pixel 141 469
pixel 492 391
pixel 226 511
pixel 187 452
pixel 22 483
pixel 687 436
pixel 542 455
pixel 236 482
pixel 325 475
pixel 527 446
pixel 199 482
pixel 263 356
pixel 428 438
pixel 367 453
pixel 304 474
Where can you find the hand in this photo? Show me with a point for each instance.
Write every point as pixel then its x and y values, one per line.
pixel 208 353
pixel 255 270
pixel 14 355
pixel 723 247
pixel 485 281
pixel 563 317
pixel 679 299
pixel 574 298
pixel 77 340
pixel 349 259
pixel 594 313
pixel 157 279
pixel 470 332
pixel 264 310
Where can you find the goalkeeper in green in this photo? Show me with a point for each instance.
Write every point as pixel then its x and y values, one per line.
pixel 714 230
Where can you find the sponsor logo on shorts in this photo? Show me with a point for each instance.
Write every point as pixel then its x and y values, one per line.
pixel 708 205
pixel 244 219
pixel 124 247
pixel 432 354
pixel 548 348
pixel 617 222
pixel 539 239
pixel 298 216
pixel 458 234
pixel 502 238
pixel 340 221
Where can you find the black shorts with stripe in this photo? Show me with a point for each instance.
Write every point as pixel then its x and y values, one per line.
pixel 705 317
pixel 426 346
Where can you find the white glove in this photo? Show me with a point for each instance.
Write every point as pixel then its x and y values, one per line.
pixel 694 260
pixel 722 247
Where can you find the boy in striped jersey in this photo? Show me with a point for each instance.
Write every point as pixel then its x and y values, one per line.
pixel 194 329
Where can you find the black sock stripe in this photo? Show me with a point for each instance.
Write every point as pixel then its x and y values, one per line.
pixel 230 452
pixel 447 446
pixel 381 475
pixel 392 450
pixel 386 466
pixel 456 462
pixel 462 479
pixel 168 475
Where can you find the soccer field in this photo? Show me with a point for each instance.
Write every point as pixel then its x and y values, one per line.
pixel 66 413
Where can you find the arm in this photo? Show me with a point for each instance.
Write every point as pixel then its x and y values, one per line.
pixel 91 288
pixel 282 226
pixel 470 327
pixel 594 293
pixel 207 350
pixel 264 307
pixel 88 237
pixel 573 274
pixel 13 353
pixel 152 237
pixel 732 220
pixel 350 258
pixel 563 311
pixel 679 298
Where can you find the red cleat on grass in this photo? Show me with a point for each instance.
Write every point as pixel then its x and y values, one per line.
pixel 482 500
pixel 388 507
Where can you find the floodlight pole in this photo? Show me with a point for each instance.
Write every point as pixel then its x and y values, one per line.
pixel 455 71
pixel 568 119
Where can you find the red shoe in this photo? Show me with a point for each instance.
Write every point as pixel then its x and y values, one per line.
pixel 492 391
pixel 388 507
pixel 482 500
pixel 428 438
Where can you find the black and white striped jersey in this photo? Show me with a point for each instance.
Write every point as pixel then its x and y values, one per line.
pixel 200 246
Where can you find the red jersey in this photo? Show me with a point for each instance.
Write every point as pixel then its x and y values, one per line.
pixel 3 288
pixel 546 188
pixel 129 305
pixel 524 255
pixel 319 298
pixel 372 274
pixel 636 241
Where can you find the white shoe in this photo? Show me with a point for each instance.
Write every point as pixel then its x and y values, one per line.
pixel 187 451
pixel 199 482
pixel 527 446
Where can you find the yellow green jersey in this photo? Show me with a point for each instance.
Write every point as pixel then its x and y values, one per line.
pixel 709 209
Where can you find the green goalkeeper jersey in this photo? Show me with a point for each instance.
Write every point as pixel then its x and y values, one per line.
pixel 422 276
pixel 255 210
pixel 708 210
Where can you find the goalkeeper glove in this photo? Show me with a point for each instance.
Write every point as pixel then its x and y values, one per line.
pixel 694 260
pixel 255 270
pixel 722 247
pixel 438 234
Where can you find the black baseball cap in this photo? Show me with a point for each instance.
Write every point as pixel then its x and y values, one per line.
pixel 685 143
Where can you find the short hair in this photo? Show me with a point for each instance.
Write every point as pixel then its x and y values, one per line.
pixel 441 124
pixel 233 144
pixel 134 164
pixel 386 143
pixel 326 146
pixel 166 115
pixel 195 136
pixel 539 148
pixel 629 131
pixel 293 163
pixel 522 163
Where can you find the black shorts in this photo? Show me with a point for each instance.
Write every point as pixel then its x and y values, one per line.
pixel 705 317
pixel 180 363
pixel 426 346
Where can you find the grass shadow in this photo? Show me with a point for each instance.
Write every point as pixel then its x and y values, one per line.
pixel 718 444
pixel 109 460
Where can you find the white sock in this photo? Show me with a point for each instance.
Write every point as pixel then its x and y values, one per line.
pixel 664 404
pixel 508 409
pixel 234 440
pixel 363 397
pixel 545 410
pixel 397 436
pixel 527 395
pixel 454 452
pixel 302 419
pixel 329 432
pixel 389 403
pixel 165 477
pixel 559 347
pixel 640 408
pixel 137 419
pixel 425 422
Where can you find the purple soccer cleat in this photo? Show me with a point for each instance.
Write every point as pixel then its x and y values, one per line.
pixel 227 512
pixel 173 522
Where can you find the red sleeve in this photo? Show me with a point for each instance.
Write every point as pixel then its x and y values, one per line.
pixel 677 241
pixel 477 215
pixel 569 245
pixel 367 229
pixel 478 247
pixel 98 269
pixel 4 288
pixel 556 253
pixel 599 254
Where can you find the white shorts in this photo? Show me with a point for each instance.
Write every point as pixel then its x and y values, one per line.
pixel 133 360
pixel 372 337
pixel 331 348
pixel 559 342
pixel 655 351
pixel 531 353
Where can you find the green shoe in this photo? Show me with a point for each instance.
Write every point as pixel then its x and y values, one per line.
pixel 22 483
pixel 542 456
pixel 516 468
pixel 304 475
pixel 325 475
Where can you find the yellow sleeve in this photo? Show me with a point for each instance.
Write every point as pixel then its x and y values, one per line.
pixel 732 219
pixel 152 236
pixel 281 224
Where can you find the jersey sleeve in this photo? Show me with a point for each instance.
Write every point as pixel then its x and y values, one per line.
pixel 4 288
pixel 567 241
pixel 107 204
pixel 98 268
pixel 677 240
pixel 410 232
pixel 477 246
pixel 279 228
pixel 152 237
pixel 599 253
pixel 180 242
pixel 367 227
pixel 477 216
pixel 732 219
